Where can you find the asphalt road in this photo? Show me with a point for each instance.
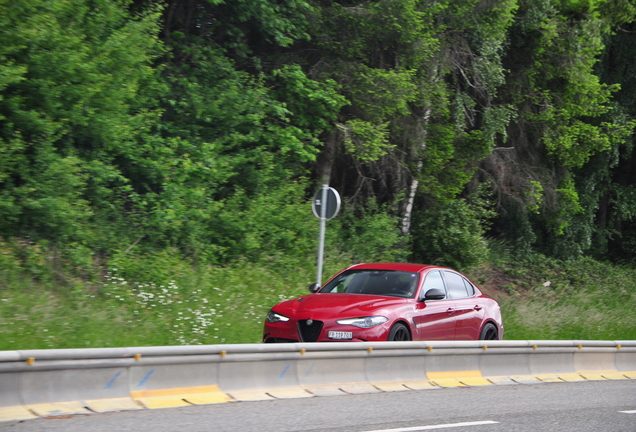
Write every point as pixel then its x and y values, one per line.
pixel 574 406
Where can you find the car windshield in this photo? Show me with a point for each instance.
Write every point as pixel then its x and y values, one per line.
pixel 374 282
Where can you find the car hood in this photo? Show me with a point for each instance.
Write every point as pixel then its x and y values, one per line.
pixel 319 305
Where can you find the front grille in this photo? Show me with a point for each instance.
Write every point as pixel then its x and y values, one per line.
pixel 309 333
pixel 280 340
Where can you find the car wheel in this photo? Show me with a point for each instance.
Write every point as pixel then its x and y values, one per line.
pixel 489 332
pixel 399 332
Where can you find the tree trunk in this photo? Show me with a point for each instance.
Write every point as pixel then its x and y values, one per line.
pixel 326 158
pixel 408 211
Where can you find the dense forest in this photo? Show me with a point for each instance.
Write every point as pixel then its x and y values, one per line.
pixel 158 160
pixel 200 129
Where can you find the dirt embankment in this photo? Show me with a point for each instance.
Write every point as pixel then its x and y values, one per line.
pixel 496 283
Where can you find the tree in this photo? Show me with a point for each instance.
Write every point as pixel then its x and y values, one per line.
pixel 74 76
pixel 558 129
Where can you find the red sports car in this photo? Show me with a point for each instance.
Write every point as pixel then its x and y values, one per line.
pixel 395 302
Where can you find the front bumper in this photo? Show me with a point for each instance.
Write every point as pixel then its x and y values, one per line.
pixel 292 331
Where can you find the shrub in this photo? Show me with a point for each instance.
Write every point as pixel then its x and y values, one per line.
pixel 450 235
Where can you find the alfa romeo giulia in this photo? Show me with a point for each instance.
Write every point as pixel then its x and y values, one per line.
pixel 389 301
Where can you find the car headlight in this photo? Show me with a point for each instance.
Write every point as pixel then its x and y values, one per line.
pixel 364 322
pixel 273 317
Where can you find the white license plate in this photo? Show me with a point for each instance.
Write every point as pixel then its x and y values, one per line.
pixel 340 335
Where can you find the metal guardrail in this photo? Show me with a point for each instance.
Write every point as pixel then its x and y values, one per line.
pixel 80 381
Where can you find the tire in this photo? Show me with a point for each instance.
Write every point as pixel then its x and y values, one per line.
pixel 489 332
pixel 399 332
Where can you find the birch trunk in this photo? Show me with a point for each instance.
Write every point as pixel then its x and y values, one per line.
pixel 326 158
pixel 408 211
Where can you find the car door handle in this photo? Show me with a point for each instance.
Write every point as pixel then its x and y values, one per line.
pixel 477 308
pixel 450 311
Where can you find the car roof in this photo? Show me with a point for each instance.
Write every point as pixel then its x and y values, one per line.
pixel 408 267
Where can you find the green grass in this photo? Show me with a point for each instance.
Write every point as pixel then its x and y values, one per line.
pixel 146 301
pixel 543 298
pixel 208 305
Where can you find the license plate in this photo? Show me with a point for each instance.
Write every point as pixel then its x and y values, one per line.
pixel 340 335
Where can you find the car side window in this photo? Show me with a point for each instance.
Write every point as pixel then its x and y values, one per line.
pixel 433 281
pixel 455 285
pixel 469 287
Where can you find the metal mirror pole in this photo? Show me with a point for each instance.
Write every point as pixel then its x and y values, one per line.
pixel 321 238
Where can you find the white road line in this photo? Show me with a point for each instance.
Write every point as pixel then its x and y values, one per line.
pixel 628 412
pixel 440 426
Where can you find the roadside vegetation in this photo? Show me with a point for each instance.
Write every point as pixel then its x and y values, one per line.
pixel 545 298
pixel 147 301
pixel 158 159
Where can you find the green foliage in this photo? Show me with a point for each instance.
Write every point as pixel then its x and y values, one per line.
pixel 310 107
pixel 535 196
pixel 566 125
pixel 104 152
pixel 245 27
pixel 450 235
pixel 72 78
pixel 368 142
pixel 380 94
pixel 145 300
pixel 576 299
pixel 562 83
pixel 370 234
pixel 151 139
pixel 376 30
pixel 278 220
pixel 157 299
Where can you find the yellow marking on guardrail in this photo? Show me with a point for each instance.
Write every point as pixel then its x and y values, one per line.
pixel 179 396
pixel 137 357
pixel 112 404
pixel 223 353
pixel 430 348
pixel 303 351
pixel 448 382
pixel 174 391
pixel 614 375
pixel 458 378
pixel 30 361
pixel 15 413
pixel 370 350
pixel 619 346
pixel 548 377
pixel 602 374
pixel 454 374
pixel 207 398
pixel 571 377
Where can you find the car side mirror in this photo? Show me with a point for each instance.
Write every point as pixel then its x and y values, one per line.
pixel 434 294
pixel 314 287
